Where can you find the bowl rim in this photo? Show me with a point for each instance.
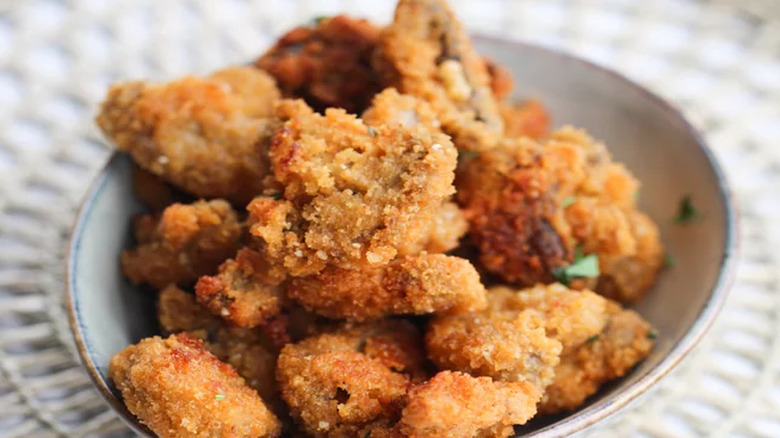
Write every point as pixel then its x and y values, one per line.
pixel 574 422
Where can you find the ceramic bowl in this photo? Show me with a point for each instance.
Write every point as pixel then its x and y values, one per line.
pixel 641 130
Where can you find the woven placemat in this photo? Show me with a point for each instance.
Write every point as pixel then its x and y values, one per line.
pixel 718 60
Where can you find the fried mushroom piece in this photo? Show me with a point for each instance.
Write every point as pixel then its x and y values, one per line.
pixel 187 241
pixel 457 405
pixel 247 290
pixel 328 64
pixel 353 380
pixel 426 52
pixel 525 119
pixel 207 136
pixel 419 284
pixel 154 192
pixel 177 388
pixel 508 197
pixel 353 194
pixel 530 204
pixel 251 353
pixel 507 346
pixel 625 341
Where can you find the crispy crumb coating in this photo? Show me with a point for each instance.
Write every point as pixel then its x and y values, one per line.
pixel 247 290
pixel 425 52
pixel 328 64
pixel 347 382
pixel 207 136
pixel 177 388
pixel 393 108
pixel 514 198
pixel 353 195
pixel 624 342
pixel 186 242
pixel 248 351
pixel 505 345
pixel 569 316
pixel 457 405
pixel 419 284
pixel 441 233
pixel 525 119
pixel 508 196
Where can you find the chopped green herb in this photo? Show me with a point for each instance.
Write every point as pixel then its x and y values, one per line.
pixel 219 397
pixel 583 266
pixel 636 195
pixel 569 200
pixel 669 260
pixel 372 131
pixel 652 334
pixel 367 434
pixel 319 19
pixel 686 211
pixel 276 195
pixel 592 339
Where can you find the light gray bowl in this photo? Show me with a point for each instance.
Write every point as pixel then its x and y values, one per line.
pixel 641 130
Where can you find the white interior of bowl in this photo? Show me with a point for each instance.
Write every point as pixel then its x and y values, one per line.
pixel 640 130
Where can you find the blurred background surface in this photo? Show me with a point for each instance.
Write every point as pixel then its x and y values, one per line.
pixel 718 60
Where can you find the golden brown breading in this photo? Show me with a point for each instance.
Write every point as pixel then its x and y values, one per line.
pixel 569 316
pixel 425 52
pixel 625 341
pixel 251 354
pixel 525 119
pixel 344 383
pixel 418 284
pixel 529 204
pixel 505 345
pixel 207 136
pixel 328 65
pixel 246 291
pixel 177 388
pixel 508 196
pixel 353 194
pixel 442 232
pixel 186 242
pixel 392 108
pixel 457 405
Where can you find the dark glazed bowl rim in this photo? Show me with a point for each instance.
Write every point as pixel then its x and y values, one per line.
pixel 578 420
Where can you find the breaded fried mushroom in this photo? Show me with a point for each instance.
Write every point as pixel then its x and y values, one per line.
pixel 419 284
pixel 248 351
pixel 353 194
pixel 531 204
pixel 348 382
pixel 426 52
pixel 507 346
pixel 328 64
pixel 177 388
pixel 207 136
pixel 186 242
pixel 457 405
pixel 246 291
pixel 392 108
pixel 625 341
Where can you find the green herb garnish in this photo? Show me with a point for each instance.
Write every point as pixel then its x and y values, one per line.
pixel 319 19
pixel 372 131
pixel 669 260
pixel 592 339
pixel 652 334
pixel 219 397
pixel 686 211
pixel 583 266
pixel 569 200
pixel 636 195
pixel 467 155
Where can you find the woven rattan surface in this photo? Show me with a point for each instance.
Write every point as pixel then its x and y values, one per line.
pixel 718 60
